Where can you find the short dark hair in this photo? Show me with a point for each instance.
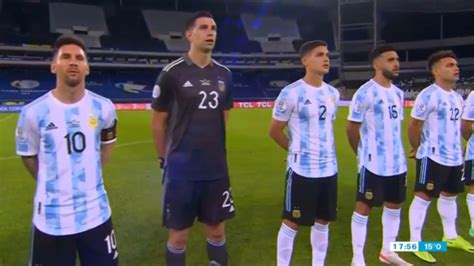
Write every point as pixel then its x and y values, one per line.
pixel 437 56
pixel 309 46
pixel 378 50
pixel 199 14
pixel 66 40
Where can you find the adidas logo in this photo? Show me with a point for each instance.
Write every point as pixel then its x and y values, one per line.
pixel 187 84
pixel 51 126
pixel 307 102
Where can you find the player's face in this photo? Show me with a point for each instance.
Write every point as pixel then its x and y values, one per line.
pixel 447 69
pixel 70 65
pixel 317 61
pixel 389 64
pixel 203 35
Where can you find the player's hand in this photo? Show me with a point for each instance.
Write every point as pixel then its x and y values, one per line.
pixel 162 162
pixel 412 154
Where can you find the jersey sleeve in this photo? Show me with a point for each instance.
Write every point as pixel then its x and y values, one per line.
pixel 337 97
pixel 163 92
pixel 108 133
pixel 358 106
pixel 420 109
pixel 468 110
pixel 402 102
pixel 228 96
pixel 27 136
pixel 283 106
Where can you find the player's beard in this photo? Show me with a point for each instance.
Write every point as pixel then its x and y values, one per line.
pixel 390 75
pixel 72 82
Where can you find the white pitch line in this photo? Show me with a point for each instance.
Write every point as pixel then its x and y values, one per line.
pixel 6 118
pixel 116 146
pixel 8 158
pixel 132 143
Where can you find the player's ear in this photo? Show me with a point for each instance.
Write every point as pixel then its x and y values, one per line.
pixel 53 66
pixel 87 69
pixel 188 33
pixel 376 64
pixel 304 59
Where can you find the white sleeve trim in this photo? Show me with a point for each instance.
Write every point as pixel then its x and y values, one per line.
pixel 108 141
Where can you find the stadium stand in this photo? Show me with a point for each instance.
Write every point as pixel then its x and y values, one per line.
pixel 260 45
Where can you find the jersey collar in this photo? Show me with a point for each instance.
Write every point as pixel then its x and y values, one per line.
pixel 189 62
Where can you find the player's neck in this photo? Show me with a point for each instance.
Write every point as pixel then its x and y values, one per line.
pixel 199 58
pixel 69 95
pixel 382 81
pixel 445 85
pixel 313 80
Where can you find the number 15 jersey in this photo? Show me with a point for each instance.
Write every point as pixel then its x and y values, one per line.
pixel 380 112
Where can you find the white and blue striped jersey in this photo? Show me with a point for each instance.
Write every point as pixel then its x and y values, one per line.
pixel 468 114
pixel 70 195
pixel 310 112
pixel 441 136
pixel 380 112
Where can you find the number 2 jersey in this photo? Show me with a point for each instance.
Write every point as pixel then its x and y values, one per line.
pixel 441 136
pixel 70 195
pixel 195 99
pixel 310 112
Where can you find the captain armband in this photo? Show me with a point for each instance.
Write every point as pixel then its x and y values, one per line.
pixel 108 134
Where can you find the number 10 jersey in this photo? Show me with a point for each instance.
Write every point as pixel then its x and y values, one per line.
pixel 70 195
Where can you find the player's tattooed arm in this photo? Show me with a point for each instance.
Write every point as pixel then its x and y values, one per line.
pixel 415 127
pixel 105 153
pixel 277 134
pixel 353 134
pixel 31 164
pixel 158 130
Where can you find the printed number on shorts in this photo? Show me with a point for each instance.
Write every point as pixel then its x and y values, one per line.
pixel 228 202
pixel 111 242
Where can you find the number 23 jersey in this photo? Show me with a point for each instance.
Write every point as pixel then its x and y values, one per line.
pixel 195 99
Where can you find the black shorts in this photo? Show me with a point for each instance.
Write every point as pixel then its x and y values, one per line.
pixel 468 173
pixel 374 189
pixel 432 178
pixel 184 200
pixel 97 246
pixel 307 199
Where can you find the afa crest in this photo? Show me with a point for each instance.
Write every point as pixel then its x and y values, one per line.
pixel 369 195
pixel 93 121
pixel 296 214
pixel 221 85
pixel 429 186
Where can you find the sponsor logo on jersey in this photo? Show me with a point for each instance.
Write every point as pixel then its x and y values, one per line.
pixel 51 126
pixel 187 84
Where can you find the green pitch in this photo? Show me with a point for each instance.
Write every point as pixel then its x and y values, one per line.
pixel 257 166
